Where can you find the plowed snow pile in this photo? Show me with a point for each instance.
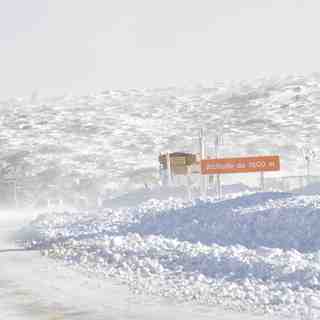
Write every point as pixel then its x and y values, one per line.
pixel 257 253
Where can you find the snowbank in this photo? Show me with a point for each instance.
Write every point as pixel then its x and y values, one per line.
pixel 258 252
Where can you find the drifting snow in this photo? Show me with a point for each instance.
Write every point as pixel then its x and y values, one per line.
pixel 258 253
pixel 105 144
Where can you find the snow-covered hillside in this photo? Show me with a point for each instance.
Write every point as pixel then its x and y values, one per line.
pixel 108 142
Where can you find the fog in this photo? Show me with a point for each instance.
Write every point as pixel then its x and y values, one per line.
pixel 55 46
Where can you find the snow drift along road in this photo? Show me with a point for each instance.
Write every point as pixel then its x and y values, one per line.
pixel 33 287
pixel 257 253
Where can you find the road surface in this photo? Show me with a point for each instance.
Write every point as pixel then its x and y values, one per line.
pixel 38 288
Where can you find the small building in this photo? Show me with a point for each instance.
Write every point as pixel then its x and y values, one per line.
pixel 180 162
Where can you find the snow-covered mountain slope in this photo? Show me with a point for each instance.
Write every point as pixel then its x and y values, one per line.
pixel 109 140
pixel 258 253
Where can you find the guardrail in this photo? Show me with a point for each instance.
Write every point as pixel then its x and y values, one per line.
pixel 295 183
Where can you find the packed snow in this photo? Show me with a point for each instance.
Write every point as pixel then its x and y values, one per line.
pixel 256 253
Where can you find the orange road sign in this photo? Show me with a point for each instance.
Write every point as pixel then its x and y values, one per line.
pixel 240 165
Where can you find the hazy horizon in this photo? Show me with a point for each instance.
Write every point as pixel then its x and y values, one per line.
pixel 55 47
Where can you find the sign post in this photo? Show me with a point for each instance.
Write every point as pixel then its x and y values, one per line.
pixel 169 169
pixel 203 155
pixel 189 185
pixel 262 180
pixel 241 165
pixel 218 140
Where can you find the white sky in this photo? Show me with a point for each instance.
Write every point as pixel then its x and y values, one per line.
pixel 80 46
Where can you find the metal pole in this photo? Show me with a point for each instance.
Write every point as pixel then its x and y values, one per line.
pixel 15 195
pixel 201 158
pixel 203 155
pixel 308 169
pixel 219 186
pixel 189 184
pixel 15 192
pixel 162 173
pixel 169 169
pixel 218 180
pixel 262 181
